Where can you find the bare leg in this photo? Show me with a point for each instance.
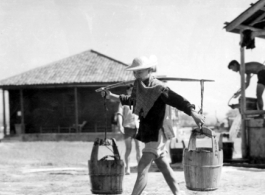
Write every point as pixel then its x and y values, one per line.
pixel 143 168
pixel 138 150
pixel 128 145
pixel 260 89
pixel 163 165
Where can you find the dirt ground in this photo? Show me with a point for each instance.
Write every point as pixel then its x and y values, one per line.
pixel 60 168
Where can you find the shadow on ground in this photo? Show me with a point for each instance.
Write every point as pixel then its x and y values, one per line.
pixel 153 168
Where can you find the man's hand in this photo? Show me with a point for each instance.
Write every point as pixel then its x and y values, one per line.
pixel 106 94
pixel 237 94
pixel 198 118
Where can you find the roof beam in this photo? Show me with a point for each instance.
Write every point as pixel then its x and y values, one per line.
pixel 244 27
pixel 257 19
pixel 235 23
pixel 56 86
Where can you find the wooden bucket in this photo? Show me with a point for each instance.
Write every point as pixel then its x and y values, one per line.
pixel 176 152
pixel 106 176
pixel 202 166
pixel 228 149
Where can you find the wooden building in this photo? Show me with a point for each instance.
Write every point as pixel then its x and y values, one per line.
pixel 252 129
pixel 54 100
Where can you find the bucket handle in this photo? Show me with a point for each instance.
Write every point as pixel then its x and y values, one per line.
pixel 115 149
pixel 206 131
pixel 104 142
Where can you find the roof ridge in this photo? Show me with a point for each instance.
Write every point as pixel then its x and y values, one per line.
pixel 108 57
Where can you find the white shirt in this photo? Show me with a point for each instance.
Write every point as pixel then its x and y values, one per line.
pixel 130 120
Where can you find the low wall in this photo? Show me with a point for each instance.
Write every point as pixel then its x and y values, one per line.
pixel 69 137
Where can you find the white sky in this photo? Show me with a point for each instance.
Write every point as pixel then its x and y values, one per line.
pixel 187 36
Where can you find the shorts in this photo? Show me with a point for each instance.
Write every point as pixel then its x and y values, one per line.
pixel 261 77
pixel 129 132
pixel 157 148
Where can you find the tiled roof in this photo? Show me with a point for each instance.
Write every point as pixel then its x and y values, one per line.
pixel 84 68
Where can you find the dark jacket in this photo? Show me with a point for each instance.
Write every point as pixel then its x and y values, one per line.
pixel 153 122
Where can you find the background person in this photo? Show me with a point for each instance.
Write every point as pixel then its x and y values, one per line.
pixel 128 124
pixel 252 68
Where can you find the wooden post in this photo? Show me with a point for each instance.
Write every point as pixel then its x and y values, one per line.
pixel 22 112
pixel 76 109
pixel 4 112
pixel 244 142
